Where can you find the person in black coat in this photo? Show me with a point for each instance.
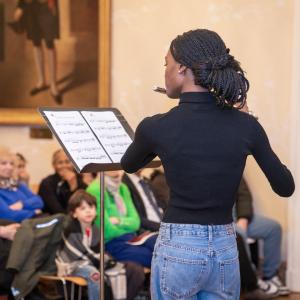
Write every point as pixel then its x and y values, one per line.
pixel 144 201
pixel 56 189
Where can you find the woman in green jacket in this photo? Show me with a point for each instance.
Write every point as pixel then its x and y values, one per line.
pixel 121 221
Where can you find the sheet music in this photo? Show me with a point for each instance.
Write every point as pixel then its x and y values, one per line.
pixel 77 137
pixel 109 131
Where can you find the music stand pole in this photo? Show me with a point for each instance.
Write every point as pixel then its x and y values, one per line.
pixel 102 190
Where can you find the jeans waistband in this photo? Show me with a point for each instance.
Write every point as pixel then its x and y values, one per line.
pixel 196 229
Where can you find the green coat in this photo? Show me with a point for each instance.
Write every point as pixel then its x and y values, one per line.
pixel 128 224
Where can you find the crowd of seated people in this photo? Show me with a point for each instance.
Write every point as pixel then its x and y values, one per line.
pixel 56 195
pixel 133 205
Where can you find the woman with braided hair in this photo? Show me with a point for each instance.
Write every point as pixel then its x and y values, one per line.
pixel 203 144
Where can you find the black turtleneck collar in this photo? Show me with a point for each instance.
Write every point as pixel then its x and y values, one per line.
pixel 197 97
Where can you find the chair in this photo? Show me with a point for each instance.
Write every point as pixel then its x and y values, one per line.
pixel 73 280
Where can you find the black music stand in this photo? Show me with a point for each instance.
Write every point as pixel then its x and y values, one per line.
pixel 73 118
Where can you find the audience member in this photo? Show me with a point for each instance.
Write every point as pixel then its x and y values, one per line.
pixel 56 189
pixel 7 234
pixel 144 201
pixel 121 221
pixel 249 280
pixel 251 225
pixel 17 202
pixel 22 173
pixel 160 187
pixel 80 249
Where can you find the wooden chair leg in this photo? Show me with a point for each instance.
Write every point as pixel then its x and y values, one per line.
pixel 72 290
pixel 65 290
pixel 79 292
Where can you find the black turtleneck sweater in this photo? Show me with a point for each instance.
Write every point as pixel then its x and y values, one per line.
pixel 203 149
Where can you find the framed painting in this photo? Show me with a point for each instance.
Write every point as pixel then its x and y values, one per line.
pixel 53 53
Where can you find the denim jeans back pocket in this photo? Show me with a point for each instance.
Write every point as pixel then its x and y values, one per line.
pixel 229 275
pixel 182 277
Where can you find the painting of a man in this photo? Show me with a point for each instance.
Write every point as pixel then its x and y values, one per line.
pixel 51 55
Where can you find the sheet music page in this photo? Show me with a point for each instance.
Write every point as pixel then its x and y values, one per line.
pixel 110 132
pixel 77 137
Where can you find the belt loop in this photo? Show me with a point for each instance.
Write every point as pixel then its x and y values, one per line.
pixel 165 232
pixel 210 233
pixel 168 232
pixel 233 226
pixel 230 229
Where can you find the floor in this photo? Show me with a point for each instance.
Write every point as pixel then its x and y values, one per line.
pixel 291 297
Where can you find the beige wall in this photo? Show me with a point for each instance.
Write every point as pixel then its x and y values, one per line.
pixel 259 34
pixel 38 152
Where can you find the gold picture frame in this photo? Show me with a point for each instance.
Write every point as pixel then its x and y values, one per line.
pixel 30 116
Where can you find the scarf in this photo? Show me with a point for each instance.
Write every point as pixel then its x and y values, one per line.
pixel 113 185
pixel 9 184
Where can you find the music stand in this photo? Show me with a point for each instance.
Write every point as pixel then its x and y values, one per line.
pixel 73 128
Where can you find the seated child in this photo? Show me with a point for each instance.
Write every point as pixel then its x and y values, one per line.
pixel 79 252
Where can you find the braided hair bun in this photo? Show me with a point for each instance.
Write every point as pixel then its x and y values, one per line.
pixel 204 52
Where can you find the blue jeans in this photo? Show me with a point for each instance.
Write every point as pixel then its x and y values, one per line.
pixel 195 262
pixel 86 272
pixel 268 230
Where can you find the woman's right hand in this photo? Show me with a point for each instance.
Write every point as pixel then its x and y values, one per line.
pixel 18 14
pixel 114 220
pixel 16 206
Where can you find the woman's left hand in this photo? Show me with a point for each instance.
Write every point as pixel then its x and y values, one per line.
pixel 16 206
pixel 114 220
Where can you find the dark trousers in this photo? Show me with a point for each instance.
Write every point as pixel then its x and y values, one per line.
pixel 248 275
pixel 6 277
pixel 122 251
pixel 135 279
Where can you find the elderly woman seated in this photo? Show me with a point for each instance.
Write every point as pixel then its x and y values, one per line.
pixel 121 221
pixel 17 202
